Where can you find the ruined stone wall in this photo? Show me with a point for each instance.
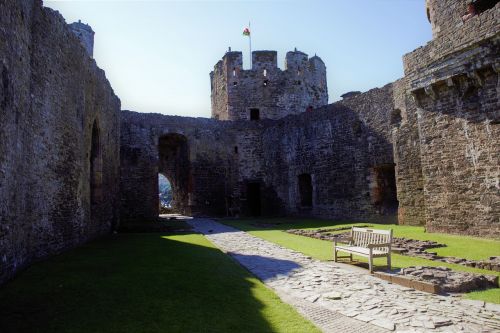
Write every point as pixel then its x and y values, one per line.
pixel 85 34
pixel 275 92
pixel 374 109
pixel 337 145
pixel 51 94
pixel 406 146
pixel 454 82
pixel 210 153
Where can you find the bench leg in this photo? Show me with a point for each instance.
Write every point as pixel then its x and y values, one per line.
pixel 334 254
pixel 350 257
pixel 389 261
pixel 370 261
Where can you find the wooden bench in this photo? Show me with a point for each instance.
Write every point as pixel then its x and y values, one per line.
pixel 368 243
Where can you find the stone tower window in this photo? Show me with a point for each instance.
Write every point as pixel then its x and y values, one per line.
pixel 483 5
pixel 254 114
pixel 266 82
pixel 265 72
pixel 234 71
pixel 236 149
pixel 396 117
pixel 305 190
pixel 235 83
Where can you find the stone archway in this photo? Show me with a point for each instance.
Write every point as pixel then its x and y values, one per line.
pixel 173 153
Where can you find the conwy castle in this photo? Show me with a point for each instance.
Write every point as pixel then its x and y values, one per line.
pixel 423 150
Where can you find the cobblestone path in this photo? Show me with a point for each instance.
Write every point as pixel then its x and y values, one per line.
pixel 337 298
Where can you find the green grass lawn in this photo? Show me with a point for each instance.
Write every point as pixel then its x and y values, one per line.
pixel 143 283
pixel 457 246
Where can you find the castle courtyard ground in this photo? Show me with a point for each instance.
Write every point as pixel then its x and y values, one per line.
pixel 184 283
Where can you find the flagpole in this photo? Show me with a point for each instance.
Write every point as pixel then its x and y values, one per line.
pixel 250 44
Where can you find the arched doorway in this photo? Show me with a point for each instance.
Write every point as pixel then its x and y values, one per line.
pixel 165 194
pixel 95 169
pixel 173 151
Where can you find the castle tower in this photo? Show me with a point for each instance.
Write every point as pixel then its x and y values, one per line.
pixel 448 15
pixel 266 91
pixel 85 34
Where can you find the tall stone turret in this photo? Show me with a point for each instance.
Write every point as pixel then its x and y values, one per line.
pixel 85 34
pixel 266 91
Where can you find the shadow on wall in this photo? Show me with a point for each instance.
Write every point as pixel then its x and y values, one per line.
pixel 330 162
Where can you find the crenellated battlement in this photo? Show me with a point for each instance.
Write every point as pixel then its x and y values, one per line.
pixel 266 91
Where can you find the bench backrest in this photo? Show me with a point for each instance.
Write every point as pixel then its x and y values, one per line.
pixel 362 236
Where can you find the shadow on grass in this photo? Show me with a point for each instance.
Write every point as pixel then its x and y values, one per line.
pixel 138 283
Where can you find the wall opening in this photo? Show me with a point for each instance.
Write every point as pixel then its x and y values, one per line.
pixel 396 118
pixel 254 199
pixel 254 114
pixel 384 192
pixel 483 5
pixel 95 168
pixel 305 190
pixel 165 194
pixel 174 165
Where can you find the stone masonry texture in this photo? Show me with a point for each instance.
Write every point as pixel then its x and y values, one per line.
pixel 452 87
pixel 53 97
pixel 274 92
pixel 422 150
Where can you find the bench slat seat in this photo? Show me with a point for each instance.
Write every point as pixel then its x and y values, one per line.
pixel 362 251
pixel 370 243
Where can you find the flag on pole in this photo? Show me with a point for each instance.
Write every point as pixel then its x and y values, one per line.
pixel 246 32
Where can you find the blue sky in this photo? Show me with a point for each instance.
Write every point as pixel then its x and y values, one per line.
pixel 158 54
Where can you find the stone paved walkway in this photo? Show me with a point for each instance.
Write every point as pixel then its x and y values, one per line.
pixel 337 298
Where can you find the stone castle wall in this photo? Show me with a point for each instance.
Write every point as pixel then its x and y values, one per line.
pixel 202 178
pixel 340 146
pixel 85 34
pixel 453 85
pixel 51 94
pixel 424 148
pixel 406 147
pixel 274 92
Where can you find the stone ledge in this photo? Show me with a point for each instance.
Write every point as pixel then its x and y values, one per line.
pixel 405 282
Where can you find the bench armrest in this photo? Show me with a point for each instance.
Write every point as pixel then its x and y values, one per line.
pixel 371 246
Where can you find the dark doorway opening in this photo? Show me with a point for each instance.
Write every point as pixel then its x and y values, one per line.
pixel 305 190
pixel 483 5
pixel 384 191
pixel 254 114
pixel 175 167
pixel 95 168
pixel 254 199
